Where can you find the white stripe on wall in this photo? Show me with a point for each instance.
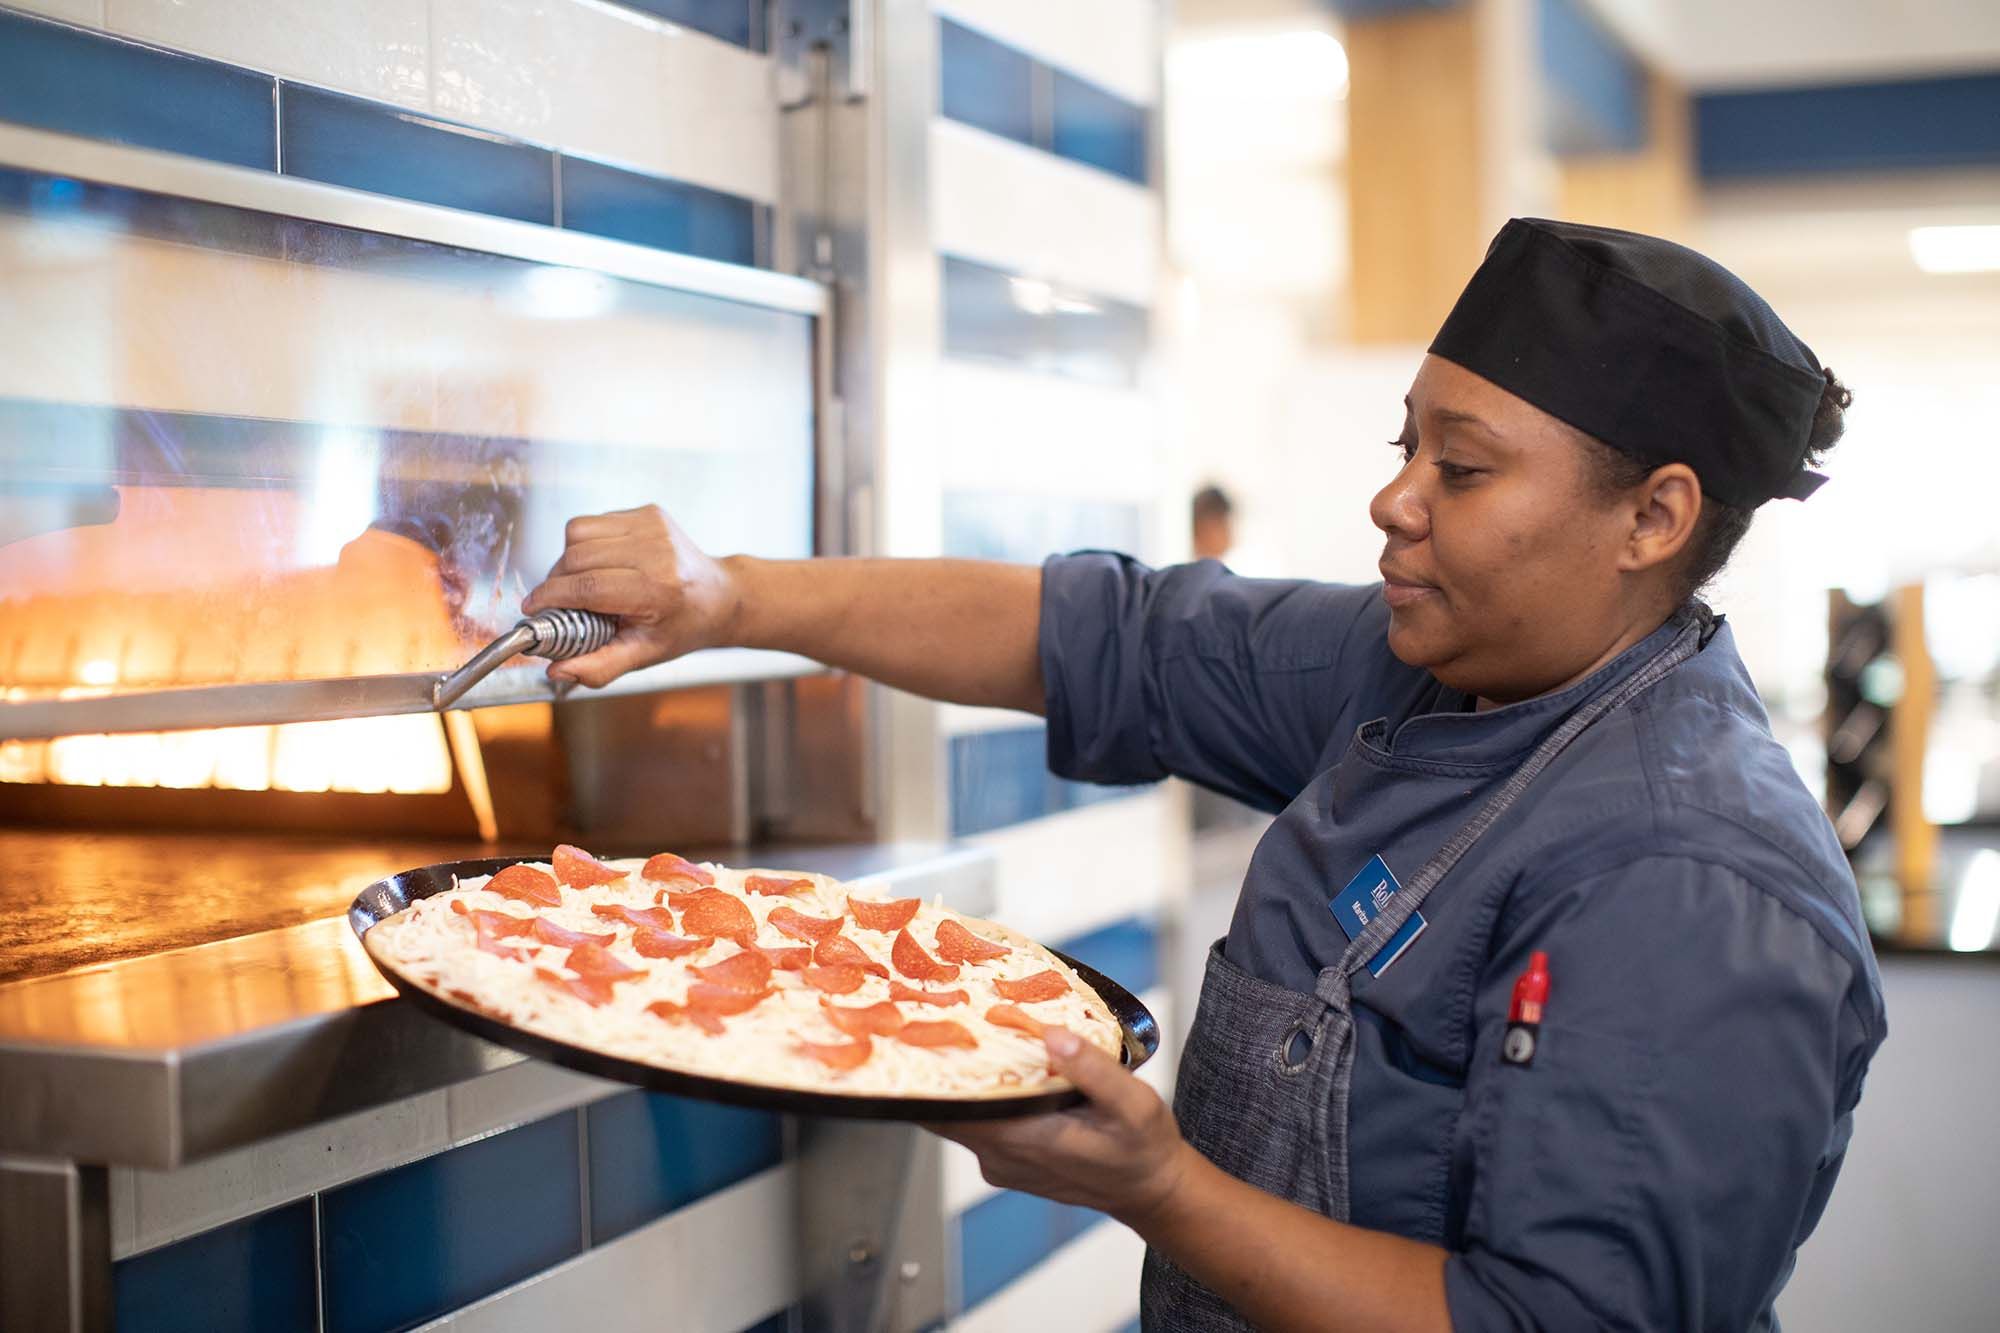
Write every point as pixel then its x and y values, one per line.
pixel 591 78
pixel 1018 208
pixel 1112 43
pixel 1018 430
pixel 1069 873
pixel 1092 1283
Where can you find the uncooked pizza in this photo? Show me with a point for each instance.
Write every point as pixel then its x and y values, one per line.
pixel 778 978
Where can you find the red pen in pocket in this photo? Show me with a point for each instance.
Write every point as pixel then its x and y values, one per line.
pixel 1524 1016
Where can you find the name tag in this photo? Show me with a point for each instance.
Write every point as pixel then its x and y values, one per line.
pixel 1364 898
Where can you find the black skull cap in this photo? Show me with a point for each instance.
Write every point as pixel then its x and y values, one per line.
pixel 1653 349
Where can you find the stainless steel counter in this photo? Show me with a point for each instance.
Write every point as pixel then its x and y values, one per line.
pixel 167 1057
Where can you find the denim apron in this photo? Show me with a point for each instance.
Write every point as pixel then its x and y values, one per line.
pixel 1263 1084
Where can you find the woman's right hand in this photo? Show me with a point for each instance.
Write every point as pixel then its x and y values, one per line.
pixel 670 597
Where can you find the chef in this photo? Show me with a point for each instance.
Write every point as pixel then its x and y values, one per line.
pixel 1547 999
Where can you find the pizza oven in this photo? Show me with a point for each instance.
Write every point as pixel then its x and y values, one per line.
pixel 273 457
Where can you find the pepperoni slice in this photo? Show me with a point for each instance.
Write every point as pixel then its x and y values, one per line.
pixel 881 1020
pixel 839 951
pixel 847 1055
pixel 1041 986
pixel 645 918
pixel 802 927
pixel 787 957
pixel 713 912
pixel 837 979
pixel 525 884
pixel 956 944
pixel 665 944
pixel 911 960
pixel 590 990
pixel 1008 1016
pixel 597 962
pixel 579 869
pixel 749 970
pixel 666 867
pixel 885 917
pixel 709 998
pixel 548 932
pixel 943 1032
pixel 898 991
pixel 680 1013
pixel 772 886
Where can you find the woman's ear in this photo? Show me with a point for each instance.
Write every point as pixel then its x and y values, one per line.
pixel 1666 506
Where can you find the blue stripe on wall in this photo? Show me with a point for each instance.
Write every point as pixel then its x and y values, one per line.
pixel 248 1276
pixel 59 78
pixel 1003 1236
pixel 1596 90
pixel 997 88
pixel 368 146
pixel 1001 777
pixel 1098 128
pixel 740 22
pixel 412 1243
pixel 1127 951
pixel 1921 123
pixel 651 1154
pixel 664 214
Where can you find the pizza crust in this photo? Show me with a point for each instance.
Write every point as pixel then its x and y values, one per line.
pixel 434 945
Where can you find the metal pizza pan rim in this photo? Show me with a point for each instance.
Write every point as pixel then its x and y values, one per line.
pixel 1138 1029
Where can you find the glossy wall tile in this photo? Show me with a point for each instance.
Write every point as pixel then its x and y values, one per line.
pixel 246 1277
pixel 1001 1238
pixel 372 48
pixel 991 314
pixel 651 1153
pixel 664 214
pixel 54 77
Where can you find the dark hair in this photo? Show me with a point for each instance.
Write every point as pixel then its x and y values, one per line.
pixel 1721 526
pixel 1212 502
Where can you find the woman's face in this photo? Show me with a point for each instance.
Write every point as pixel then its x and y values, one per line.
pixel 1506 574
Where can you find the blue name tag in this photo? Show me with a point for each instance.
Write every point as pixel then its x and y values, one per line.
pixel 1364 897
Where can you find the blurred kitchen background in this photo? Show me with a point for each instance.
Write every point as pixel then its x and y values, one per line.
pixel 1087 259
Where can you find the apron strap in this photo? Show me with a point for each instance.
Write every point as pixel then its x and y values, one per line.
pixel 1333 984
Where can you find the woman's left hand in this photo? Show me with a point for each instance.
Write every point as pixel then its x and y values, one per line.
pixel 1121 1153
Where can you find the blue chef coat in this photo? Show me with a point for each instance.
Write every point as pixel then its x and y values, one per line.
pixel 1713 1001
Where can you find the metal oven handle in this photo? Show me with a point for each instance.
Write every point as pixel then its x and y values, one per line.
pixel 554 635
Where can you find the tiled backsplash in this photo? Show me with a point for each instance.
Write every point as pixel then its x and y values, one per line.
pixel 408 1244
pixel 66 78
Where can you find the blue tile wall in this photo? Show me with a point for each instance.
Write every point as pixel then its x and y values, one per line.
pixel 1127 951
pixel 780 1322
pixel 368 146
pixel 985 84
pixel 248 1276
pixel 412 1243
pixel 990 314
pixel 665 214
pixel 651 1154
pixel 58 78
pixel 1098 128
pixel 994 87
pixel 1919 123
pixel 1003 1236
pixel 1596 89
pixel 738 21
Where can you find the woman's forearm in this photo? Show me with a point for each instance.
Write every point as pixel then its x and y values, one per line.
pixel 965 631
pixel 1285 1267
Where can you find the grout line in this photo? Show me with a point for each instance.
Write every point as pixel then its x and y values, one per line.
pixel 583 1172
pixel 278 123
pixel 319 1268
pixel 556 184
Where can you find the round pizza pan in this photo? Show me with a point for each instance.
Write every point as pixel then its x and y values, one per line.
pixel 386 897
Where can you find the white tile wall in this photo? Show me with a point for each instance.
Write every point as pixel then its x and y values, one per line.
pixel 1081 869
pixel 89 13
pixel 372 48
pixel 1003 429
pixel 1000 203
pixel 608 82
pixel 1112 43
